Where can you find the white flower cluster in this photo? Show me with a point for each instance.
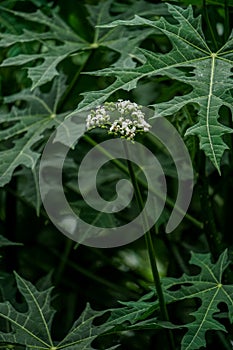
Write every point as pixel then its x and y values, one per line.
pixel 124 127
pixel 130 121
pixel 98 118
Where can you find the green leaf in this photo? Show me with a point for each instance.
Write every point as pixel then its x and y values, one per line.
pixel 4 242
pixel 190 61
pixel 83 332
pixel 58 40
pixel 138 308
pixel 25 127
pixel 208 2
pixel 118 39
pixel 209 287
pixel 28 187
pixel 33 327
pixel 50 53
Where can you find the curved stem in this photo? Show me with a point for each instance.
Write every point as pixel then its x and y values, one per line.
pixel 150 248
pixel 70 87
pixel 63 261
pixel 155 273
pixel 124 168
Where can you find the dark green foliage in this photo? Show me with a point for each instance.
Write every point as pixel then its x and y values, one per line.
pixel 59 59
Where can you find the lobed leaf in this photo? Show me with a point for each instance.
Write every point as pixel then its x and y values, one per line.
pixel 58 41
pixel 190 61
pixel 209 287
pixel 33 327
pixel 25 127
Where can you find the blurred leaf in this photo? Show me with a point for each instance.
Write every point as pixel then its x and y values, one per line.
pixel 28 187
pixel 200 2
pixel 51 53
pixel 4 242
pixel 59 41
pixel 25 127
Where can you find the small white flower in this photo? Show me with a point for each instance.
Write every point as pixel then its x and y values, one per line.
pixel 97 118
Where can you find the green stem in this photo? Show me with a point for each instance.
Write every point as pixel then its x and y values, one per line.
pixel 125 170
pixel 36 182
pixel 63 261
pixel 176 255
pixel 155 273
pixel 71 85
pixel 150 248
pixel 94 277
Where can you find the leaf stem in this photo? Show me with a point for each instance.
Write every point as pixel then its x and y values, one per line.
pixel 124 168
pixel 150 248
pixel 63 261
pixel 70 87
pixel 36 182
pixel 93 276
